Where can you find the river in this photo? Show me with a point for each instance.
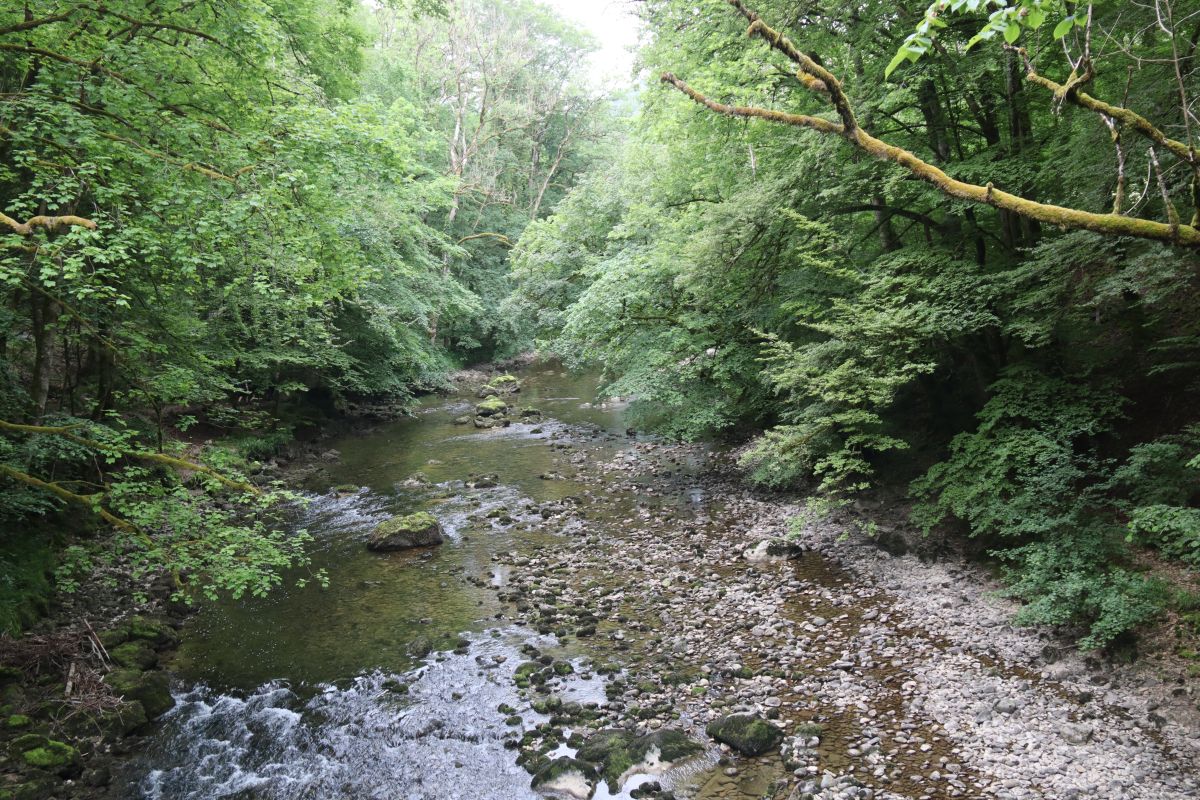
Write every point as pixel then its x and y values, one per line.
pixel 295 695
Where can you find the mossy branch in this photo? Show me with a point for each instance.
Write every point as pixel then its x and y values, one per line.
pixel 499 237
pixel 65 432
pixel 1130 119
pixel 1060 216
pixel 48 223
pixel 90 501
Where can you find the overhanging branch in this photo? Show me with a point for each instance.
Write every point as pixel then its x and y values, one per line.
pixel 1060 216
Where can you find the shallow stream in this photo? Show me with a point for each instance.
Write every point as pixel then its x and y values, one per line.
pixel 389 683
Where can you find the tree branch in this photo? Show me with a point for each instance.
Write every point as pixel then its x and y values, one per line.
pixel 1130 119
pixel 91 501
pixel 49 223
pixel 140 455
pixel 499 237
pixel 1060 216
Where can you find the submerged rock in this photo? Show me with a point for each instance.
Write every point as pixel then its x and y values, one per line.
pixel 401 533
pixel 566 776
pixel 749 734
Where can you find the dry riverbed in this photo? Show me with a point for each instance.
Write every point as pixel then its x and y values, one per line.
pixel 888 676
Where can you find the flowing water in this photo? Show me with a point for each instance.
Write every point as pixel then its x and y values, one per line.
pixel 390 682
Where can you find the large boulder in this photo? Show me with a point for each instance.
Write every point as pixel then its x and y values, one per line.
pixel 774 550
pixel 749 734
pixel 401 533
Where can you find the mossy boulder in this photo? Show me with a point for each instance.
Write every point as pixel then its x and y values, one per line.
pixel 53 757
pixel 749 734
pixel 501 384
pixel 570 777
pixel 151 689
pixel 160 633
pixel 17 721
pixel 401 533
pixel 45 753
pixel 491 407
pixel 137 654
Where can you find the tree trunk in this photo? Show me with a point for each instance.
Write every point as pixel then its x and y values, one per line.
pixel 44 313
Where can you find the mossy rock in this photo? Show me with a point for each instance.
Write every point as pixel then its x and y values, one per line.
pixel 137 654
pixel 527 668
pixel 52 756
pixel 151 689
pixel 748 734
pixel 160 633
pixel 491 407
pixel 36 789
pixel 395 687
pixel 114 637
pixel 616 751
pixel 123 720
pixel 17 721
pixel 402 533
pixel 568 776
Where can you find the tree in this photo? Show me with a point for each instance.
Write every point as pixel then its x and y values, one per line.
pixel 820 81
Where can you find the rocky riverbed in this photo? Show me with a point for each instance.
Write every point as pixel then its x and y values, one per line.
pixel 602 615
pixel 887 676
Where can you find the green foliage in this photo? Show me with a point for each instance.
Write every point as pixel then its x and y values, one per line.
pixel 273 204
pixel 1074 578
pixel 1007 19
pixel 1159 483
pixel 26 564
pixel 730 275
pixel 1025 471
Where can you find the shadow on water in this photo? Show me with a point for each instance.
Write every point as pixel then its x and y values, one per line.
pixel 328 692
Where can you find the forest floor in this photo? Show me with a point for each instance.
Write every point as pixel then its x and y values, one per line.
pixel 892 675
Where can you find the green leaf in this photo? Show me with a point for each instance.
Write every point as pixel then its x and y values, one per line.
pixel 1012 32
pixel 1063 27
